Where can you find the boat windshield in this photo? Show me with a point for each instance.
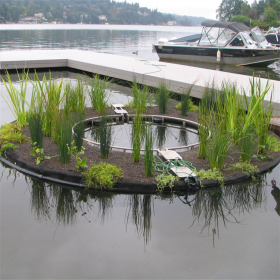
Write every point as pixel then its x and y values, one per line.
pixel 216 36
pixel 258 35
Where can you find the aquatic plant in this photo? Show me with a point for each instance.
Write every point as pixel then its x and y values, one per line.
pixel 136 137
pixel 8 146
pixel 210 174
pixel 218 146
pixel 162 97
pixel 99 94
pixel 50 91
pixel 245 167
pixel 11 133
pixel 149 157
pixel 75 96
pixel 140 97
pixel 273 143
pixel 247 144
pixel 105 136
pixel 76 153
pixel 165 180
pixel 38 153
pixel 35 122
pixel 17 98
pixel 103 175
pixel 64 134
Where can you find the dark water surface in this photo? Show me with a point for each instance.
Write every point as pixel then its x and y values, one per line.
pixel 54 232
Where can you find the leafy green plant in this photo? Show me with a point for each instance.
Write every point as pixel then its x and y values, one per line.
pixel 8 146
pixel 261 157
pixel 103 175
pixel 38 153
pixel 245 167
pixel 75 152
pixel 165 181
pixel 210 174
pixel 192 107
pixel 273 143
pixel 11 133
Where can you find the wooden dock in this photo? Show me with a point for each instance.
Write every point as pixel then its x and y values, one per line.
pixel 178 77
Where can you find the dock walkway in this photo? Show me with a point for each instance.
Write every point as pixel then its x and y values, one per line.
pixel 178 77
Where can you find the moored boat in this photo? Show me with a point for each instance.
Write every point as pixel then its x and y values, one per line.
pixel 220 42
pixel 273 35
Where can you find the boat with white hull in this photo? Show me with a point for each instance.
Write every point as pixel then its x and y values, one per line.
pixel 231 43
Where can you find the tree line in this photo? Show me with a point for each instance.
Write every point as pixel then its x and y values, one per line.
pixel 262 13
pixel 85 11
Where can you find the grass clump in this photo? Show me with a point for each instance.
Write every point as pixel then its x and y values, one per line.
pixel 11 133
pixel 210 174
pixel 99 94
pixel 103 175
pixel 36 122
pixel 105 134
pixel 191 106
pixel 245 167
pixel 162 98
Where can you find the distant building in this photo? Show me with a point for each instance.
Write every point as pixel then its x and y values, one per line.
pixel 102 17
pixel 174 22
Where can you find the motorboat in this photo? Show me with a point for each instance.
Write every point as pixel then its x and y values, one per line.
pixel 232 43
pixel 273 35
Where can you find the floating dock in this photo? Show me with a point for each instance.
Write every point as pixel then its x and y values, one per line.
pixel 178 77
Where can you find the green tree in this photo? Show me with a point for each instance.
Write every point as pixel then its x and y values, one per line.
pixel 245 9
pixel 270 15
pixel 239 18
pixel 228 9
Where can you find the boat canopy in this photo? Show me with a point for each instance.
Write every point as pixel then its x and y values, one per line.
pixel 234 26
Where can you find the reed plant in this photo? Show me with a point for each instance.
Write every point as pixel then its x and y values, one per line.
pixel 78 136
pixel 149 157
pixel 258 113
pixel 140 97
pixel 185 107
pixel 75 97
pixel 52 95
pixel 136 137
pixel 204 109
pixel 247 144
pixel 99 94
pixel 105 134
pixel 160 132
pixel 64 133
pixel 218 146
pixel 163 95
pixel 17 98
pixel 36 122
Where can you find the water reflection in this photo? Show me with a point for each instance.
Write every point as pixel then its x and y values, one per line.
pixel 276 194
pixel 212 208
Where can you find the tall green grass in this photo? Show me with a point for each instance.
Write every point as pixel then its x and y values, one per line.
pixel 140 97
pixel 99 94
pixel 17 98
pixel 105 134
pixel 149 157
pixel 162 97
pixel 36 121
pixel 136 137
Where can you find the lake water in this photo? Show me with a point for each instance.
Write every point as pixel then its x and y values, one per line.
pixel 54 232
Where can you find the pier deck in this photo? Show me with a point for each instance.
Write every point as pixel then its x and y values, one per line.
pixel 178 77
